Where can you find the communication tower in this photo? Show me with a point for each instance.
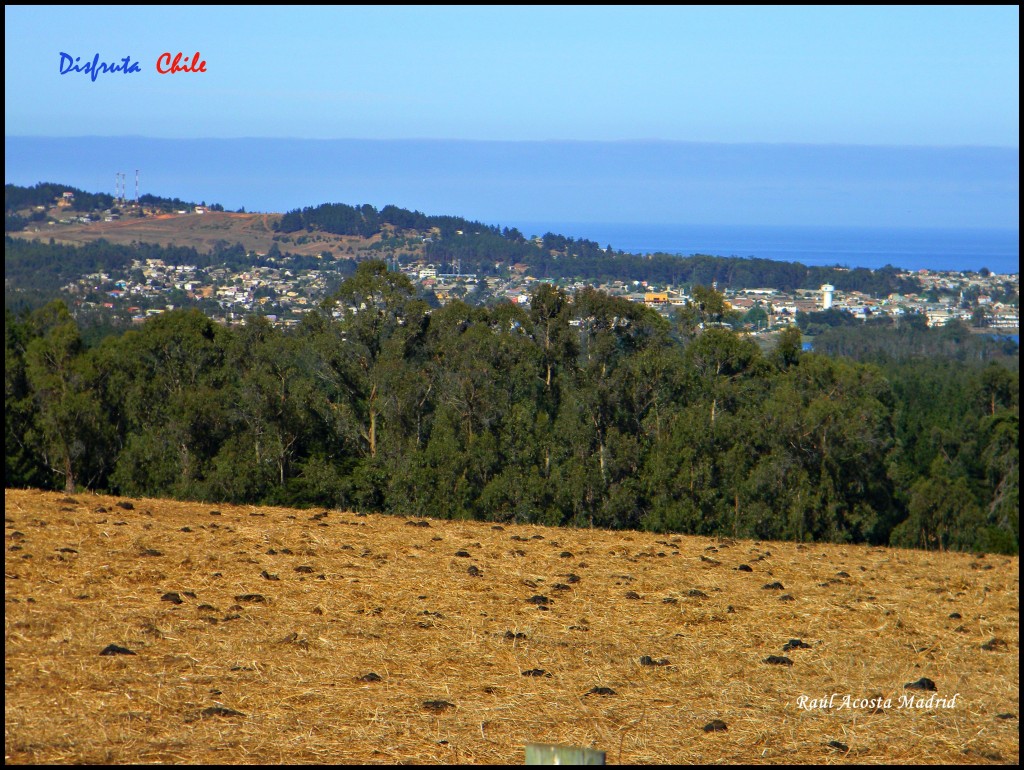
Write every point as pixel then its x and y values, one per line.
pixel 120 187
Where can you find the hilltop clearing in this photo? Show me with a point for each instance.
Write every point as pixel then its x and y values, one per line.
pixel 270 635
pixel 203 232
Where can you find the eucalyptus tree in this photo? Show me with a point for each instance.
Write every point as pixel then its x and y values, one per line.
pixel 170 396
pixel 67 428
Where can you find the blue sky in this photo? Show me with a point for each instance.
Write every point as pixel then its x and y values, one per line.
pixel 901 116
pixel 933 76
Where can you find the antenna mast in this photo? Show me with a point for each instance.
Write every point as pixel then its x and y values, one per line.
pixel 120 185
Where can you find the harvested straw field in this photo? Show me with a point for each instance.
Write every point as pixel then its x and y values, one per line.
pixel 155 631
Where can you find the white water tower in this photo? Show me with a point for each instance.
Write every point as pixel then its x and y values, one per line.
pixel 826 295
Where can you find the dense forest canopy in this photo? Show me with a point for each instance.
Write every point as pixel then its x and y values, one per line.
pixel 584 410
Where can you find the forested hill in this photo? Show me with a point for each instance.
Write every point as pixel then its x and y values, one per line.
pixel 476 247
pixel 17 197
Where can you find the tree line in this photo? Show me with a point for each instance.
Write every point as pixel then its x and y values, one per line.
pixel 18 197
pixel 583 410
pixel 365 221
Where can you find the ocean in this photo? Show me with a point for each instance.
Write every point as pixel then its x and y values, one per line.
pixel 949 249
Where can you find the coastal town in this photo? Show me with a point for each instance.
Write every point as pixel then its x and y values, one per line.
pixel 283 293
pixel 281 275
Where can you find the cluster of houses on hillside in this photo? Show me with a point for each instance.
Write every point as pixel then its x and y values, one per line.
pixel 779 307
pixel 153 287
pixel 283 293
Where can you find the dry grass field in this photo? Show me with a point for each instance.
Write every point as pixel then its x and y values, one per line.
pixel 269 635
pixel 199 231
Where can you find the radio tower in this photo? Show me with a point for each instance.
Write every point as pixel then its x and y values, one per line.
pixel 136 187
pixel 120 182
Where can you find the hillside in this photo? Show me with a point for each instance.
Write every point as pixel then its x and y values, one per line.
pixel 341 230
pixel 200 231
pixel 256 631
